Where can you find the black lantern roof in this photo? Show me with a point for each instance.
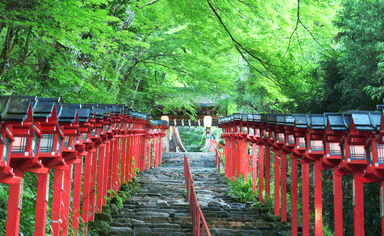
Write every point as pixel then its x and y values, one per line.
pixel 231 118
pixel 99 113
pixel 290 120
pixel 119 110
pixel 84 114
pixel 67 113
pixel 271 119
pixel 15 108
pixel 158 122
pixel 280 119
pixel 257 117
pixel 318 121
pixel 237 116
pixel 135 115
pixel 44 107
pixel 244 117
pixel 365 120
pixel 338 121
pixel 302 121
pixel 128 111
pixel 264 118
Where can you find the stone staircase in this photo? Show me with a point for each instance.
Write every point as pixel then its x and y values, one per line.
pixel 161 208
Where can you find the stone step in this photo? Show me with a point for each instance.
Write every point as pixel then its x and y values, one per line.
pixel 160 207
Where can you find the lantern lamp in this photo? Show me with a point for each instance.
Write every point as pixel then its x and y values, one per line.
pixel 69 123
pixel 337 126
pixel 45 114
pixel 375 150
pixel 6 139
pixel 354 158
pixel 314 138
pixel 84 114
pixel 302 123
pixel 289 126
pixel 207 121
pixel 264 129
pixel 271 123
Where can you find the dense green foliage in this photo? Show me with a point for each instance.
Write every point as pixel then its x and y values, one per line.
pixel 304 56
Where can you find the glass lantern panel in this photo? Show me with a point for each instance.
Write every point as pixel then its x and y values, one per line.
pixel 280 137
pixel 257 132
pixel 334 149
pixel 291 139
pixel 272 135
pixel 301 142
pixel 84 136
pixel 106 127
pixel 58 145
pixel 251 131
pixel 266 134
pixel 238 129
pixel 93 132
pixel 317 145
pixel 370 153
pixel 6 149
pixel 380 153
pixel 357 152
pixel 35 143
pixel 244 130
pixel 19 145
pixel 46 144
pixel 66 142
pixel 231 129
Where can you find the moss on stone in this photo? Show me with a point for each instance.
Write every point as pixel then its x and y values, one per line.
pixel 99 227
pixel 118 201
pixel 106 209
pixel 103 217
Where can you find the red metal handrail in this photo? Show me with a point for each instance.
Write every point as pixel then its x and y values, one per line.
pixel 196 213
pixel 219 155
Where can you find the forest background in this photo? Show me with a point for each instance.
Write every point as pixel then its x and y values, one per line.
pixel 294 56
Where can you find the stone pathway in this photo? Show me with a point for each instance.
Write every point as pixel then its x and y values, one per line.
pixel 161 208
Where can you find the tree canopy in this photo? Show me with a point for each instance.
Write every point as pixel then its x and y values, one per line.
pixel 290 56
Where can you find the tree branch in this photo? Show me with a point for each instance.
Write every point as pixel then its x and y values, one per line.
pixel 149 3
pixel 172 68
pixel 239 45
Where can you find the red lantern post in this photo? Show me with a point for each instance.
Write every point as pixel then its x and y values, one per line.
pixel 69 123
pixel 6 173
pixel 254 129
pixel 355 162
pixel 301 126
pixel 375 154
pixel 287 148
pixel 278 145
pixel 265 137
pixel 314 152
pixel 337 127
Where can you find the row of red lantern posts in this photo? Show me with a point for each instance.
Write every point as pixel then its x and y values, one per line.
pixel 105 144
pixel 350 144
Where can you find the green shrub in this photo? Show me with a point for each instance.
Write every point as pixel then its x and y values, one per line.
pixel 240 191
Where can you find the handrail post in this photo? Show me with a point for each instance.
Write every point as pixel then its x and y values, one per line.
pixel 283 187
pixel 277 183
pixel 294 194
pixel 13 214
pixel 254 167
pixel 261 172
pixel 41 203
pixel 305 183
